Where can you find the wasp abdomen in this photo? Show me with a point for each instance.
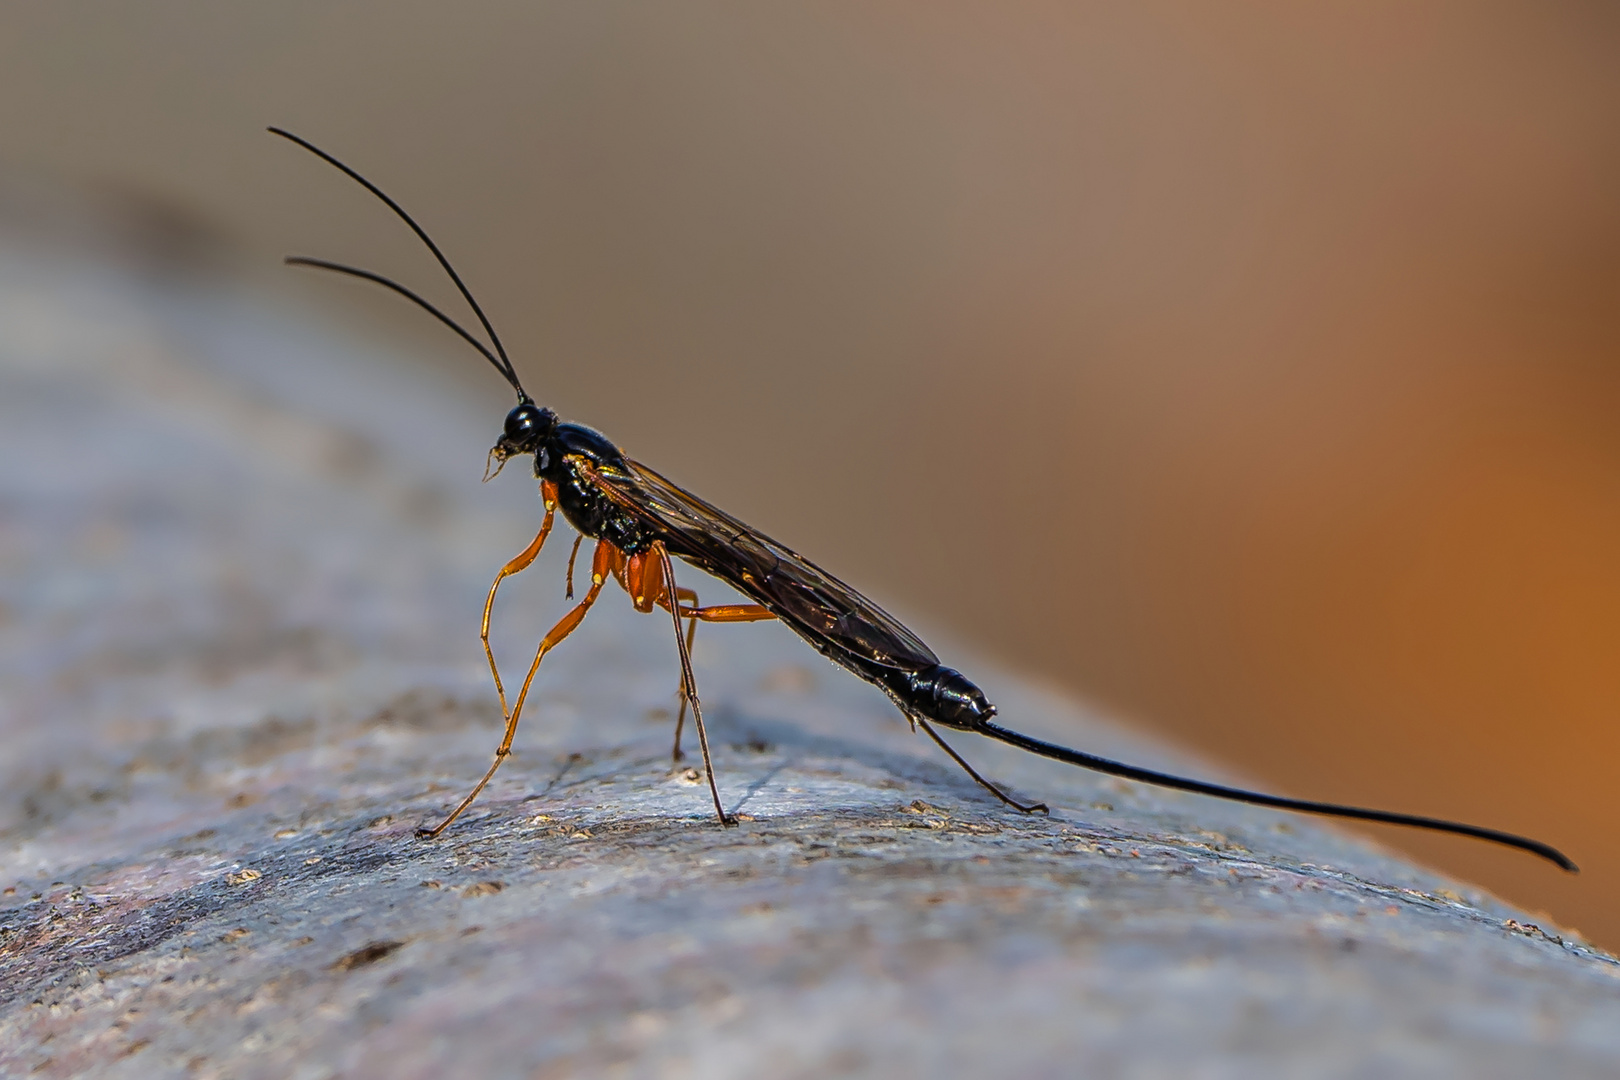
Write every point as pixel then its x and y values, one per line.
pixel 947 696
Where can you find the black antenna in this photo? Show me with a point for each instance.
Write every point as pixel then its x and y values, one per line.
pixel 1220 791
pixel 388 283
pixel 504 366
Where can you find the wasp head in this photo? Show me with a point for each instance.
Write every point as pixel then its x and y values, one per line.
pixel 527 426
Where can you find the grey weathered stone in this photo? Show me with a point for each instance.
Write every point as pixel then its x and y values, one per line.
pixel 242 561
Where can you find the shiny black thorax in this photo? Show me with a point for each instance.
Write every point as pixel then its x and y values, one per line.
pixel 584 505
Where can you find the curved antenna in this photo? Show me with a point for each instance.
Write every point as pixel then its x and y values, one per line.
pixel 1220 791
pixel 388 283
pixel 505 366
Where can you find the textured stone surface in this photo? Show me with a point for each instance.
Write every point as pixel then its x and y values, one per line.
pixel 242 562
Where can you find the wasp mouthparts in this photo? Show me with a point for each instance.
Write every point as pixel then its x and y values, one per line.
pixel 494 463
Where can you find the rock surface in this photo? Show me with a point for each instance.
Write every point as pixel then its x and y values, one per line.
pixel 241 565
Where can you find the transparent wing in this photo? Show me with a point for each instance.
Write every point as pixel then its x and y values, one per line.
pixel 821 609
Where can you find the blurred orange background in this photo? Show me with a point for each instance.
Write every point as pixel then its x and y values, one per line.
pixel 1252 370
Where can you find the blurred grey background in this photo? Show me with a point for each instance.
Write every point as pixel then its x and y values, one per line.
pixel 1248 370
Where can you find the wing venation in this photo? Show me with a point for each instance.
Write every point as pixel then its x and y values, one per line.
pixel 821 609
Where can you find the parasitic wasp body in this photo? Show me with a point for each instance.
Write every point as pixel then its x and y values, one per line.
pixel 641 522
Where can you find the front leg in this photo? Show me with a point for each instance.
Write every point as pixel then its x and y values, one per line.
pixel 565 626
pixel 548 496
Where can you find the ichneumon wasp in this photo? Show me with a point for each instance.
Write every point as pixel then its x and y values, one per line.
pixel 640 521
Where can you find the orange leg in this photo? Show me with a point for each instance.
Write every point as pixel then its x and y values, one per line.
pixel 548 496
pixel 601 567
pixel 619 567
pixel 649 578
pixel 643 579
pixel 726 612
pixel 717 613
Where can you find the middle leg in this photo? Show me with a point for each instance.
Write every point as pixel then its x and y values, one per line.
pixel 548 496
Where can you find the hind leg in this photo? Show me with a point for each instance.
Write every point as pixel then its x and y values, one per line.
pixel 987 785
pixel 688 680
pixel 717 613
